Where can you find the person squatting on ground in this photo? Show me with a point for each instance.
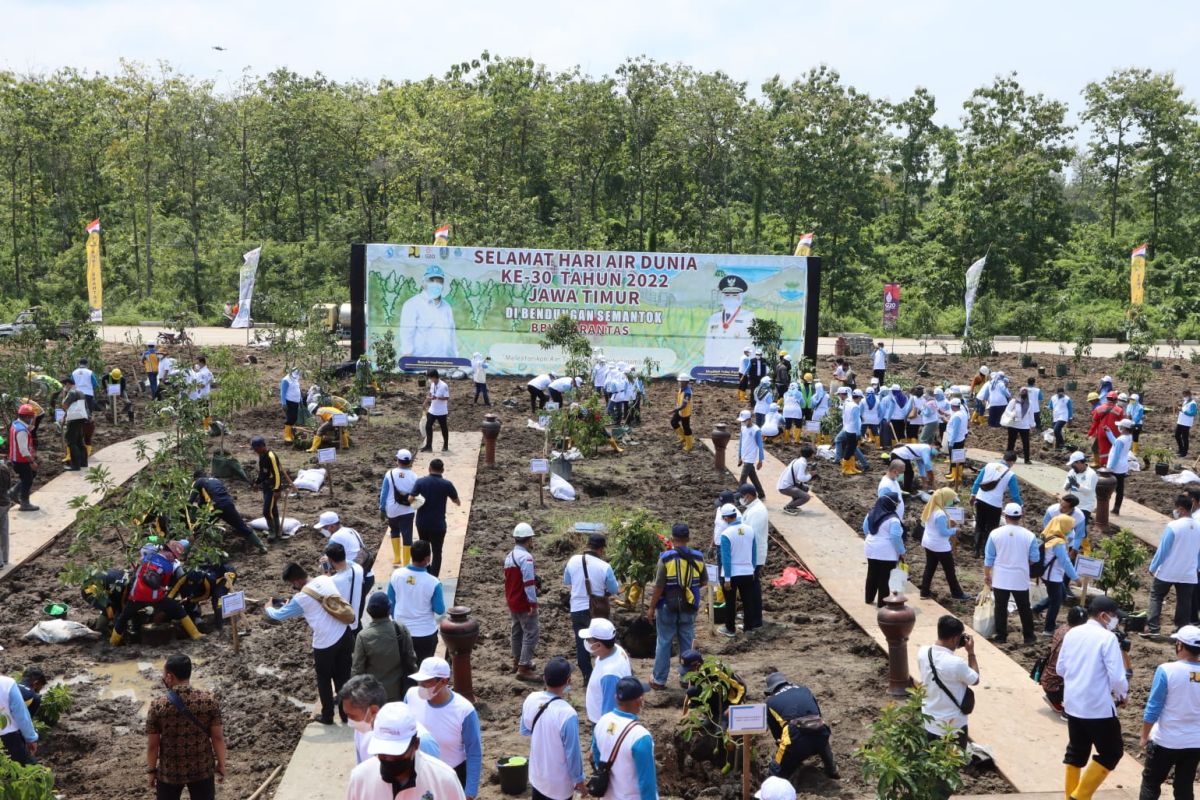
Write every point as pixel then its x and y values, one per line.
pixel 675 600
pixel 521 594
pixel 794 719
pixel 150 589
pixel 794 480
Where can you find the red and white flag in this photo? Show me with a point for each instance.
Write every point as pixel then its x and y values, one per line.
pixel 1140 252
pixel 442 234
pixel 94 226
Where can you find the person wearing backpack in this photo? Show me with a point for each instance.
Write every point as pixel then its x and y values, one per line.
pixel 675 599
pixel 1056 570
pixel 394 493
pixel 332 642
pixel 555 758
pixel 623 749
pixel 384 650
pixel 151 589
pixel 1010 551
pixel 948 679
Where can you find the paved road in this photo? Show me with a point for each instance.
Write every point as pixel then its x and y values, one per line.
pixel 227 336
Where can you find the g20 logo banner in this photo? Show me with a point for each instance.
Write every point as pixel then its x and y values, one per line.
pixel 440 305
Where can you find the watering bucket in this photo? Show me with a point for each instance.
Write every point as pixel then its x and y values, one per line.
pixel 514 774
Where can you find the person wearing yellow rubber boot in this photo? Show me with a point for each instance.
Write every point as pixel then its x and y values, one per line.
pixel 290 398
pixel 744 377
pixel 851 429
pixel 151 585
pixel 956 438
pixel 394 492
pixel 1095 683
pixel 681 415
pixel 326 433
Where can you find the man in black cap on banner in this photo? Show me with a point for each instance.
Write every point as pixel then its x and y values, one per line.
pixel 728 330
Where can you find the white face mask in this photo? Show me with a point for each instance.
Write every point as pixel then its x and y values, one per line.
pixel 595 648
pixel 1112 623
pixel 731 302
pixel 425 692
pixel 361 725
pixel 434 289
pixel 1175 514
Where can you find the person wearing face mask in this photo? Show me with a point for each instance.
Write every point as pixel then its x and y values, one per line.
pixel 555 758
pixel 398 768
pixel 622 742
pixel 610 666
pixel 1175 564
pixel 1171 721
pixel 427 320
pixel 451 720
pixel 185 741
pixel 362 697
pixel 1095 683
pixel 728 330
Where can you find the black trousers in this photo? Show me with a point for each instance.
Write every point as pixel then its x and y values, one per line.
pixel 402 527
pixel 1102 734
pixel 556 397
pixel 1182 436
pixel 878 573
pixel 946 560
pixel 880 374
pixel 1159 761
pixel 14 744
pixel 270 511
pixel 441 423
pixel 332 665
pixel 24 472
pixel 76 443
pixel 1023 610
pixel 436 539
pixel 749 473
pixel 536 795
pixel 537 399
pixel 751 591
pixel 987 519
pixel 679 421
pixel 803 745
pixel 481 390
pixel 1059 442
pixel 579 621
pixel 424 646
pixel 1119 494
pixel 1013 433
pixel 292 413
pixel 197 790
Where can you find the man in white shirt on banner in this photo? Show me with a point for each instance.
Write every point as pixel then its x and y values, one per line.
pixel 427 320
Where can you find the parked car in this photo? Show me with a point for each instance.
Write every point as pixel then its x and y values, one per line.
pixel 29 319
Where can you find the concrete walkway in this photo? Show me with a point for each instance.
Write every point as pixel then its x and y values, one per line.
pixel 320 766
pixel 29 533
pixel 1010 716
pixel 1146 523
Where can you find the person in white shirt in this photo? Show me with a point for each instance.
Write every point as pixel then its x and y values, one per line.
pixel 997 397
pixel 1061 412
pixel 1019 418
pixel 1183 422
pixel 394 506
pixel 1175 564
pixel 427 320
pixel 332 642
pixel 1095 682
pixel 166 368
pixel 612 664
pixel 939 531
pixel 539 391
pixel 589 576
pixel 987 496
pixel 599 373
pixel 754 514
pixel 417 600
pixel 883 546
pixel 398 769
pixel 552 725
pixel 947 678
pixel 83 382
pixel 739 573
pixel 479 368
pixel 1081 482
pixel 622 741
pixel 889 483
pixel 1010 550
pixel 617 387
pixel 794 481
pixel 879 362
pixel 773 423
pixel 451 719
pixel 750 451
pixel 764 394
pixel 1171 721
pixel 1118 459
pixel 437 409
pixel 362 698
pixel 348 577
pixel 560 387
pixel 1035 399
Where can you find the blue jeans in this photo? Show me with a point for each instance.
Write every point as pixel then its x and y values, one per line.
pixel 579 621
pixel 671 625
pixel 1056 593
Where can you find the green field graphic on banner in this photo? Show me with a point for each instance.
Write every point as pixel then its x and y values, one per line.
pixel 690 312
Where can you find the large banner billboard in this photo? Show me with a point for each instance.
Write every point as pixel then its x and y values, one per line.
pixel 689 312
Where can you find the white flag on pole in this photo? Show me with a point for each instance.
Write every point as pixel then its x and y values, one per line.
pixel 246 288
pixel 973 274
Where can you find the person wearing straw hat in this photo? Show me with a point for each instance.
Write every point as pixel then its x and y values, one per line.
pixel 555 757
pixel 936 541
pixel 451 719
pixel 398 769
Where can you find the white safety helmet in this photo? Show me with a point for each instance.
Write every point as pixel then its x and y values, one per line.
pixel 523 530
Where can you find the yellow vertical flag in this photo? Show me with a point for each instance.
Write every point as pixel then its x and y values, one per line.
pixel 804 246
pixel 1137 276
pixel 95 283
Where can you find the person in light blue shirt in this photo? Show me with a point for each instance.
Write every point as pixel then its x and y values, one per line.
pixel 19 739
pixel 1058 572
pixel 1184 422
pixel 1068 504
pixel 1118 459
pixel 887 408
pixel 1135 412
pixel 555 757
pixel 1170 729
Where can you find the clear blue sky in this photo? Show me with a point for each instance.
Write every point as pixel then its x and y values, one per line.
pixel 883 48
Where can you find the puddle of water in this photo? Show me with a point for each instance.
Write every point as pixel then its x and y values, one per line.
pixel 138 681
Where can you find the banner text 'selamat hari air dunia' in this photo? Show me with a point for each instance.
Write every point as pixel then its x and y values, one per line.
pixel 689 311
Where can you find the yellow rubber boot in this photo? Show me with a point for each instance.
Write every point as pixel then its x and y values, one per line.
pixel 114 638
pixel 849 467
pixel 679 433
pixel 396 562
pixel 67 457
pixel 207 422
pixel 345 439
pixel 688 442
pixel 1090 781
pixel 316 444
pixel 288 435
pixel 1135 448
pixel 189 628
pixel 1072 780
pixel 88 447
pixel 616 447
pixel 406 554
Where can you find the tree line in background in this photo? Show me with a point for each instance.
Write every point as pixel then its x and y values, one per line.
pixel 186 175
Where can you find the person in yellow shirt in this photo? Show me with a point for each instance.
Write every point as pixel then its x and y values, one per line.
pixel 150 360
pixel 326 431
pixel 681 415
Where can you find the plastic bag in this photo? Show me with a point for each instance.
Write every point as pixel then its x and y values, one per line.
pixel 1037 593
pixel 560 489
pixel 826 452
pixel 897 580
pixel 984 621
pixel 57 631
pixel 290 525
pixel 310 479
pixel 1048 437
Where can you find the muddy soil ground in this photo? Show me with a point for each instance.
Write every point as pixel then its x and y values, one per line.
pixel 267 690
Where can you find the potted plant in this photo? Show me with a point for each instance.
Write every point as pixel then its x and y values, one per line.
pixel 1124 561
pixel 635 547
pixel 903 763
pixel 1160 457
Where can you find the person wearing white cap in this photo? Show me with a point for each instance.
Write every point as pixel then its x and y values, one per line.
pixel 750 451
pixel 416 599
pixel 1061 412
pixel 744 377
pixel 479 368
pixel 851 429
pixel 819 406
pixel 774 788
pixel 1106 385
pixel 397 768
pixel 331 527
pixel 451 720
pixel 1136 412
pixel 611 664
pixel 739 574
pixel 619 394
pixel 1118 458
pixel 1174 565
pixel 1171 720
pixel 348 577
pixel 1184 422
pixel 1010 550
pixel 997 398
pixel 1081 482
pixel 599 374
pixel 521 594
pixel 956 438
pixel 773 423
pixel 987 496
pixel 394 506
pixel 427 320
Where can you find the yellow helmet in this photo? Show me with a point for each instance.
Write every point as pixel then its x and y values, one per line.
pixel 115 374
pixel 1093 396
pixel 783 353
pixel 808 376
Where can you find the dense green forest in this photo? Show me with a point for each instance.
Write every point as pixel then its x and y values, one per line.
pixel 187 174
